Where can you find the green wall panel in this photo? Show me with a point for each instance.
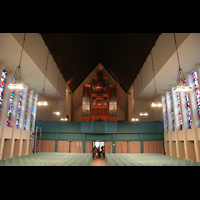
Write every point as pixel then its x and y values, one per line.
pixel 152 136
pixel 111 127
pixel 98 127
pixel 72 136
pixel 101 127
pixel 94 137
pixel 124 136
pixel 86 127
pixel 48 136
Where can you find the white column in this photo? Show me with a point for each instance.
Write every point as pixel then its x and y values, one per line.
pixel 194 113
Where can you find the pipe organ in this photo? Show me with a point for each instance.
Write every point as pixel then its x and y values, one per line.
pixel 99 102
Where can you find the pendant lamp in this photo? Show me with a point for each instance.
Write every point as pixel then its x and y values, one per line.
pixel 17 80
pixel 143 113
pixel 57 112
pixel 44 103
pixel 180 75
pixel 154 104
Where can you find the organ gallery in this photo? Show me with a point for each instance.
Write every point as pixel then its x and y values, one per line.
pixel 99 101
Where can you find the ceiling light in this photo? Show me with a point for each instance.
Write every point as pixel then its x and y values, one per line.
pixel 182 88
pixel 156 104
pixel 144 114
pixel 180 74
pixel 16 86
pixel 56 113
pixel 17 80
pixel 42 103
pixel 64 119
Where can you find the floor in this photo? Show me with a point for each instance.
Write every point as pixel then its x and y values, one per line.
pixel 98 162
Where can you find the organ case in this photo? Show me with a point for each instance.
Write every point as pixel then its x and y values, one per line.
pixel 99 101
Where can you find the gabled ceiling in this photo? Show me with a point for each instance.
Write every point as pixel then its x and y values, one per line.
pixel 122 54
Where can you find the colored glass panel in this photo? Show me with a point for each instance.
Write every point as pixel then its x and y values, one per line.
pixel 34 105
pixel 165 115
pixel 197 92
pixel 188 106
pixel 19 108
pixel 179 112
pixel 3 80
pixel 172 110
pixel 26 111
pixel 10 106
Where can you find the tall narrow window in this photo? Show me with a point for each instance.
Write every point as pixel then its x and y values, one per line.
pixel 3 80
pixel 179 111
pixel 188 106
pixel 197 92
pixel 10 106
pixel 19 108
pixel 33 113
pixel 26 111
pixel 172 110
pixel 165 114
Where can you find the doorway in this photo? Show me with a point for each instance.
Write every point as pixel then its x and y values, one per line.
pixel 99 145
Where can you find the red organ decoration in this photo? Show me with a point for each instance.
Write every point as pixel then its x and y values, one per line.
pixel 99 101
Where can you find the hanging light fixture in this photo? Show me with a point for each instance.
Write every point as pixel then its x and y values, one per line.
pixel 17 80
pixel 154 104
pixel 44 103
pixel 180 75
pixel 57 112
pixel 142 113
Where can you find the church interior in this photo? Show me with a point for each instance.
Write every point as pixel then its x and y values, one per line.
pixel 99 99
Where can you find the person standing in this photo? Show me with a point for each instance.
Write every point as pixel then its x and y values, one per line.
pixel 103 151
pixel 95 152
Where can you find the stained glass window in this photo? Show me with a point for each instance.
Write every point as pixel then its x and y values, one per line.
pixel 3 80
pixel 179 112
pixel 34 105
pixel 165 114
pixel 172 110
pixel 26 110
pixel 188 106
pixel 197 92
pixel 10 106
pixel 19 108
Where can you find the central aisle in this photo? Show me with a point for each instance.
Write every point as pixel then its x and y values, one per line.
pixel 98 162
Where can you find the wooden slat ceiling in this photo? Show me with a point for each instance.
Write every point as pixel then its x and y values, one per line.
pixel 122 54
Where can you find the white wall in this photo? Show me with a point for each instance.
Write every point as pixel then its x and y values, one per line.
pixel 33 66
pixel 165 66
pixel 163 50
pixel 37 51
pixel 78 94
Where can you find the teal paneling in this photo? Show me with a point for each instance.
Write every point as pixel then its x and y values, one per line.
pixel 71 136
pixel 48 136
pixel 56 145
pixel 105 131
pixel 113 149
pixel 141 146
pixel 125 136
pixel 148 136
pixel 86 127
pixel 101 127
pixel 93 137
pixel 98 127
pixel 59 126
pixel 111 127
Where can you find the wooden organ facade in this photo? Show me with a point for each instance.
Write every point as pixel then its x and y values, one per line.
pixel 99 101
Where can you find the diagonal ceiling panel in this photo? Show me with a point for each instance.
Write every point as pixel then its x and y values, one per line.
pixel 122 54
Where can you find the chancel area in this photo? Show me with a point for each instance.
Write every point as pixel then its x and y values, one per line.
pixel 107 99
